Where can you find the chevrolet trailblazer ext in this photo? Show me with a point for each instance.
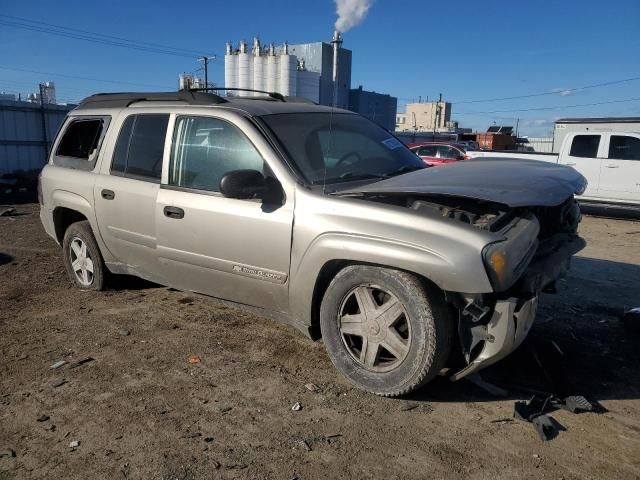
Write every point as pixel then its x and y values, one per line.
pixel 317 214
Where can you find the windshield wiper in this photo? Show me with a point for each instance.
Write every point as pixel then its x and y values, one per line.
pixel 403 169
pixel 348 176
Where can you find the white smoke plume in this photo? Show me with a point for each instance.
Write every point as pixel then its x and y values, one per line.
pixel 351 13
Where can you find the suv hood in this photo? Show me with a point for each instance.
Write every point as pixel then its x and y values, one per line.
pixel 512 182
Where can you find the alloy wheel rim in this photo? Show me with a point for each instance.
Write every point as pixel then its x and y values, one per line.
pixel 375 328
pixel 81 261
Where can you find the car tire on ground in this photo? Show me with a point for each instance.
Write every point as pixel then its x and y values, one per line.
pixel 385 330
pixel 82 258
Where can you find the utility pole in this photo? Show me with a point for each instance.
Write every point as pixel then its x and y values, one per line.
pixel 205 60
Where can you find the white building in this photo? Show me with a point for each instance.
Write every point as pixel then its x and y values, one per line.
pixel 268 69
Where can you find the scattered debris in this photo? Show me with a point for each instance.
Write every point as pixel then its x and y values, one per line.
pixel 81 362
pixel 43 418
pixel 208 439
pixel 6 210
pixel 23 357
pixel 296 407
pixel 631 319
pixel 74 444
pixel 51 428
pixel 537 408
pixel 8 452
pixel 536 456
pixel 124 332
pixel 193 359
pixel 312 387
pixel 502 421
pixel 407 407
pixel 490 388
pixel 224 409
pixel 59 383
pixel 305 445
pixel 58 364
pixel 193 435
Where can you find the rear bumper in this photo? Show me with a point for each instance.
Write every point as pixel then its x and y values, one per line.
pixel 508 327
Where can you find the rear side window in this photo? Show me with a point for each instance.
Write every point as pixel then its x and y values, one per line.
pixel 140 147
pixel 80 143
pixel 585 146
pixel 623 147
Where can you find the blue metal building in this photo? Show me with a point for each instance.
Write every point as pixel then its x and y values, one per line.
pixel 378 107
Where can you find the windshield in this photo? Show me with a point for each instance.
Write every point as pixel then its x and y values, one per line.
pixel 332 148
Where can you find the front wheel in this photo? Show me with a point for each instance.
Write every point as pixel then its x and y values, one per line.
pixel 384 329
pixel 82 258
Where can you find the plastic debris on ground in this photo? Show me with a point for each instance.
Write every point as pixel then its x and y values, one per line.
pixel 296 407
pixel 193 359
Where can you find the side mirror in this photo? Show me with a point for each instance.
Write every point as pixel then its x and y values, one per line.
pixel 243 184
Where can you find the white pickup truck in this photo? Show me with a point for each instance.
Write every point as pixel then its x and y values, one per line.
pixel 610 161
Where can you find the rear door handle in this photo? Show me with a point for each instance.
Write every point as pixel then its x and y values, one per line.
pixel 571 164
pixel 108 194
pixel 173 212
pixel 609 165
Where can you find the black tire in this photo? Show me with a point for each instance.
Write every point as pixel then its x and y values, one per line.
pixel 428 337
pixel 81 231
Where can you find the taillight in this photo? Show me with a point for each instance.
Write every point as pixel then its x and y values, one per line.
pixel 466 157
pixel 40 197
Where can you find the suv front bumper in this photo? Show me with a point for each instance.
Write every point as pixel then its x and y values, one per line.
pixel 509 325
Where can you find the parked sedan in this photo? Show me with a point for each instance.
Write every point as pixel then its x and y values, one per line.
pixel 439 153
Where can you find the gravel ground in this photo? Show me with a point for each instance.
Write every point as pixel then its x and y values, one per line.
pixel 140 409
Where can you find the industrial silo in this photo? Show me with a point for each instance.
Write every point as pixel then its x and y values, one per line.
pixel 244 69
pixel 288 72
pixel 230 68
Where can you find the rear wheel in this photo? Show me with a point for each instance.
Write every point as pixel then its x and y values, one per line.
pixel 82 258
pixel 385 330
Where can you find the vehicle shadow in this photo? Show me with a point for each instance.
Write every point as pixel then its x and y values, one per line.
pixel 4 258
pixel 579 344
pixel 129 282
pixel 629 213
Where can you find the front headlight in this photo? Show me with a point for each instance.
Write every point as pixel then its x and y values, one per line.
pixel 505 262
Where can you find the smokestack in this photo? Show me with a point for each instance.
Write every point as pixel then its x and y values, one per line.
pixel 337 43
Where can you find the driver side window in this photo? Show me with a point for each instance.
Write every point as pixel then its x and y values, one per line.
pixel 204 149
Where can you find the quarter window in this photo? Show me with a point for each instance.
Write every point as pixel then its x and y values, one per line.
pixel 80 140
pixel 585 146
pixel 623 147
pixel 204 149
pixel 140 146
pixel 447 152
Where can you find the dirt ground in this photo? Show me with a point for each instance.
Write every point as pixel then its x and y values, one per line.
pixel 139 409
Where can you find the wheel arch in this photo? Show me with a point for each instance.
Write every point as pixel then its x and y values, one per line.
pixel 329 270
pixel 314 267
pixel 63 217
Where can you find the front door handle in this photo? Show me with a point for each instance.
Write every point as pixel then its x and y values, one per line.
pixel 609 165
pixel 108 194
pixel 173 212
pixel 570 164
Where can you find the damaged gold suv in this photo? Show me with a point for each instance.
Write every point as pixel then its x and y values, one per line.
pixel 319 215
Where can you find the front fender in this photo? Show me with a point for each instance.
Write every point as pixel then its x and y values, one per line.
pixel 463 272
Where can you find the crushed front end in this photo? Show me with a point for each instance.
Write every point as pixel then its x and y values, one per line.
pixel 534 251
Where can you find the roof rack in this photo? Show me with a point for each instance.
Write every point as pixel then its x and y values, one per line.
pixel 273 95
pixel 115 100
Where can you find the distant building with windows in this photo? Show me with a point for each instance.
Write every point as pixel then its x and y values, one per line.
pixel 424 117
pixel 378 107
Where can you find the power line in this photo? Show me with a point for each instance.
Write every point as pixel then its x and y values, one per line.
pixel 557 107
pixel 95 38
pixel 77 77
pixel 112 37
pixel 541 94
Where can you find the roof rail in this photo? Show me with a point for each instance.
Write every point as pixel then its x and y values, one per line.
pixel 273 95
pixel 115 100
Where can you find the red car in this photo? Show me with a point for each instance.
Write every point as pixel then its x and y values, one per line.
pixel 437 153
